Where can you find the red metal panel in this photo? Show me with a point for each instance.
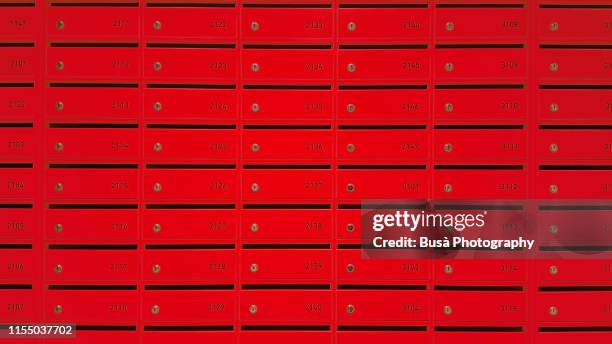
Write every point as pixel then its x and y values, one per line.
pixel 382 146
pixel 480 184
pixel 383 105
pixel 355 269
pixel 575 105
pixel 188 306
pixel 17 143
pixel 189 225
pixel 99 23
pixel 386 306
pixel 17 62
pixel 577 65
pixel 188 266
pixel 399 65
pixel 190 145
pixel 91 306
pixel 574 25
pixel 307 65
pixel 505 65
pixel 262 145
pixel 91 265
pixel 89 183
pixel 297 307
pixel 286 266
pixel 168 103
pixel 91 225
pixel 83 145
pixel 500 145
pixel 388 25
pixel 480 306
pixel 286 226
pixel 17 183
pixel 482 105
pixel 92 104
pixel 281 25
pixel 481 24
pixel 300 185
pixel 190 64
pixel 97 63
pixel 204 24
pixel 19 305
pixel 162 185
pixel 264 105
pixel 582 307
pixel 573 184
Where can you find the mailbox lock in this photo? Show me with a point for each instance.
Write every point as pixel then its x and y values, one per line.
pixel 350 227
pixel 254 187
pixel 351 26
pixel 448 188
pixel 59 24
pixel 58 269
pixel 553 188
pixel 156 228
pixel 553 229
pixel 254 26
pixel 255 107
pixel 448 269
pixel 554 148
pixel 350 108
pixel 255 148
pixel 157 66
pixel 254 227
pixel 255 67
pixel 350 148
pixel 449 67
pixel 253 309
pixel 350 309
pixel 155 309
pixel 553 270
pixel 157 147
pixel 58 228
pixel 59 65
pixel 450 26
pixel 157 25
pixel 350 267
pixel 157 187
pixel 554 67
pixel 157 106
pixel 59 187
pixel 553 310
pixel 448 310
pixel 350 187
pixel 448 147
pixel 448 107
pixel 156 268
pixel 59 106
pixel 254 267
pixel 59 147
pixel 57 309
pixel 554 107
pixel 554 26
pixel 351 67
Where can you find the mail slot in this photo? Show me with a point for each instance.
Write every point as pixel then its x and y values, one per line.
pixel 196 145
pixel 482 105
pixel 481 64
pixel 353 268
pixel 286 104
pixel 399 65
pixel 189 266
pixel 19 305
pixel 572 306
pixel 303 65
pixel 383 146
pixel 575 104
pixel 106 63
pixel 285 307
pixel 574 25
pixel 574 144
pixel 17 224
pixel 18 265
pixel 190 103
pixel 497 145
pixel 86 23
pixel 97 145
pixel 18 23
pixel 573 184
pixel 91 225
pixel 574 64
pixel 363 337
pixel 450 272
pixel 286 226
pixel 91 183
pixel 17 143
pixel 17 183
pixel 281 337
pixel 190 64
pixel 480 306
pixel 162 185
pixel 501 337
pixel 285 185
pixel 208 24
pixel 19 103
pixel 286 266
pixel 286 25
pixel 383 105
pixel 189 225
pixel 479 184
pixel 389 25
pixel 563 337
pixel 18 62
pixel 574 272
pixel 358 185
pixel 481 24
pixel 93 103
pixel 569 223
pixel 348 227
pixel 91 265
pixel 94 306
pixel 188 337
pixel 189 306
pixel 88 336
pixel 382 306
pixel 311 145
